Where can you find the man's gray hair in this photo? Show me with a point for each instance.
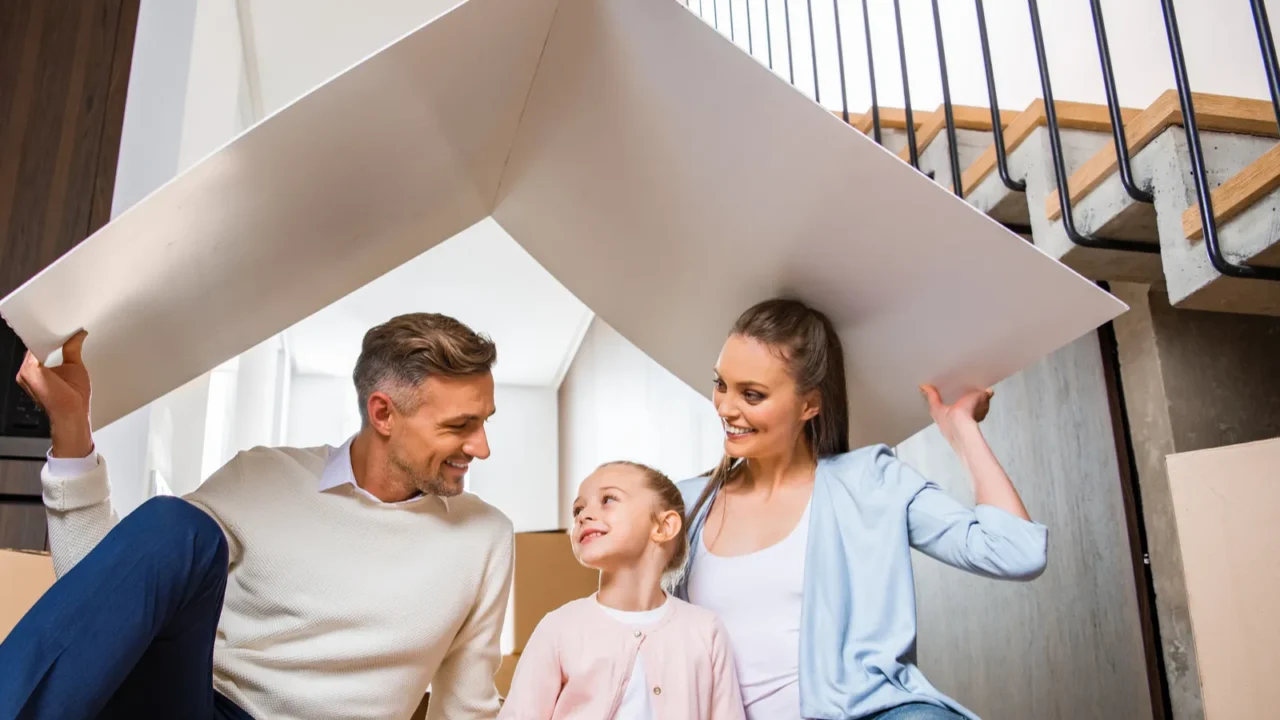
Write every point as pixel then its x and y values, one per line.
pixel 400 354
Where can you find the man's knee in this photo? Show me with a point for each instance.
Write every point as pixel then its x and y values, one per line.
pixel 177 519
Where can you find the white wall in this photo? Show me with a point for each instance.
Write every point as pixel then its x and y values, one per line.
pixel 300 44
pixel 521 476
pixel 1222 50
pixel 322 410
pixel 150 143
pixel 616 403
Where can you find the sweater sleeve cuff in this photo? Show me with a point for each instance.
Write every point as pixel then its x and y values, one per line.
pixel 1024 549
pixel 73 483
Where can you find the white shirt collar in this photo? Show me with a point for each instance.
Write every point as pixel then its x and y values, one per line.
pixel 338 472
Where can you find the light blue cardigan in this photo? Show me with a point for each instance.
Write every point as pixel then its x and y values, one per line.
pixel 858 613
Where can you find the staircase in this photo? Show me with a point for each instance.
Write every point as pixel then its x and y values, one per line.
pixel 1179 198
pixel 1137 176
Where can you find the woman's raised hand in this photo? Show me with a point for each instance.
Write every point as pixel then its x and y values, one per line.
pixel 963 414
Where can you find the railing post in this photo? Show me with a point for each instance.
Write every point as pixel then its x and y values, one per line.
pixel 1203 193
pixel 768 33
pixel 997 129
pixel 912 150
pixel 1059 161
pixel 844 95
pixel 1268 47
pixel 813 52
pixel 1118 130
pixel 871 71
pixel 791 64
pixel 954 151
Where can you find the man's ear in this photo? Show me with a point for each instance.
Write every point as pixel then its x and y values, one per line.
pixel 382 413
pixel 668 526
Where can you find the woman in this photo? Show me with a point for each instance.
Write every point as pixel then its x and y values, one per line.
pixel 802 546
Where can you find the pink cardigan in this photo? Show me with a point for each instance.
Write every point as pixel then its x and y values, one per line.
pixel 579 659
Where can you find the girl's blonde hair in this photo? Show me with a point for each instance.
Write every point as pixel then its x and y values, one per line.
pixel 669 498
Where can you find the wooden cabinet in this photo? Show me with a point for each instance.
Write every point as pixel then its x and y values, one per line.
pixel 64 72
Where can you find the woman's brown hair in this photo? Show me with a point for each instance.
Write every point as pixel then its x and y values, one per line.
pixel 807 342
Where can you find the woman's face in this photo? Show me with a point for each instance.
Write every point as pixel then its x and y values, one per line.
pixel 762 412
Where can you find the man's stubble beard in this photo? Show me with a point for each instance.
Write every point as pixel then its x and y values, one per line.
pixel 422 482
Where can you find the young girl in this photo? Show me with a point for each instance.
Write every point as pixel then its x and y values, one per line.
pixel 629 652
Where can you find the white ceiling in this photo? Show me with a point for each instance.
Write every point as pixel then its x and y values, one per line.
pixel 481 277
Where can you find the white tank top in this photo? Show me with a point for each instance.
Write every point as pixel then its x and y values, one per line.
pixel 757 597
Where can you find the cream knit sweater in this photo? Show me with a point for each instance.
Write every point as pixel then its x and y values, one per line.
pixel 336 606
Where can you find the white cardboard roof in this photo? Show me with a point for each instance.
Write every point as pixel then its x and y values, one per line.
pixel 661 174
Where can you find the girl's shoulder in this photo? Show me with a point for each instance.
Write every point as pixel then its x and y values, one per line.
pixel 693 617
pixel 570 616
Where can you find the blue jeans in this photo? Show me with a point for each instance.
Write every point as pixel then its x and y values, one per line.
pixel 918 711
pixel 129 631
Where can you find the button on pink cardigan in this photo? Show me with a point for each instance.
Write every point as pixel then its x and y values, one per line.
pixel 579 659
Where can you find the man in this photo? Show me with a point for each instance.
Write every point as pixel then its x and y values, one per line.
pixel 353 576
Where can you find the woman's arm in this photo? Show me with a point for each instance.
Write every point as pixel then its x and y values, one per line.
pixel 995 539
pixel 959 425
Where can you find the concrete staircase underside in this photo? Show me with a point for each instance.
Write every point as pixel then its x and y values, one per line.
pixel 1242 161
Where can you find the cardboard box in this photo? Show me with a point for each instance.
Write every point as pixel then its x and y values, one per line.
pixel 1225 503
pixel 546 577
pixel 505 672
pixel 26 575
pixel 503 681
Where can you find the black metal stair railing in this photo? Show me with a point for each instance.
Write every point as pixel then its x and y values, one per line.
pixel 912 151
pixel 1123 153
pixel 1059 160
pixel 953 150
pixel 997 130
pixel 1268 47
pixel 1203 193
pixel 1113 107
pixel 844 93
pixel 871 71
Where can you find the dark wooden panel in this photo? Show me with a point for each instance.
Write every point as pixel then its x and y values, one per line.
pixel 63 73
pixel 22 526
pixel 20 477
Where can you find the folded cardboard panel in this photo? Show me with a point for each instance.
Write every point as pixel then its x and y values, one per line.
pixel 661 174
pixel 24 576
pixel 1225 502
pixel 390 158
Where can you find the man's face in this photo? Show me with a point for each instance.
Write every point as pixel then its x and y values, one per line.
pixel 434 444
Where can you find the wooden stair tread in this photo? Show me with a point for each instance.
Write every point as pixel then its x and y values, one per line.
pixel 966 117
pixel 1071 116
pixel 1214 113
pixel 1236 195
pixel 890 119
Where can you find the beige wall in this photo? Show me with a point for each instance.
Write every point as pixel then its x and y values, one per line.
pixel 1069 644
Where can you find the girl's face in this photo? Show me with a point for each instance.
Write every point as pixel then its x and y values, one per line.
pixel 759 405
pixel 614 523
